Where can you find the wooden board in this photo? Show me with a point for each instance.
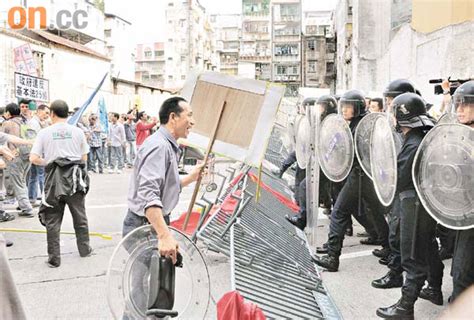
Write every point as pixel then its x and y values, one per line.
pixel 240 117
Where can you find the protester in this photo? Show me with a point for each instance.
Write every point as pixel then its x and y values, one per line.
pixel 36 175
pixel 117 142
pixel 155 184
pixel 63 149
pixel 95 144
pixel 131 135
pixel 143 128
pixel 17 169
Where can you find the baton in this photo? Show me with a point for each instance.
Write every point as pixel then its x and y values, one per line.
pixel 92 234
pixel 415 229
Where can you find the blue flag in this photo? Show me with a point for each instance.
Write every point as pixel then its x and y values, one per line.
pixel 103 117
pixel 78 114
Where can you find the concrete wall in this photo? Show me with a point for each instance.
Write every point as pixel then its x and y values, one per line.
pixel 380 54
pixel 429 16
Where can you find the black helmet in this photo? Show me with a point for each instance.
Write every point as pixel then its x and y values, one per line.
pixel 410 111
pixel 357 99
pixel 309 102
pixel 329 103
pixel 464 93
pixel 397 87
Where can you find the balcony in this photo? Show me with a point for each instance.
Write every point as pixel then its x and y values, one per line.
pixel 255 58
pixel 256 16
pixel 286 38
pixel 283 58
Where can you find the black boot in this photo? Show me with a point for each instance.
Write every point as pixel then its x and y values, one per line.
pixel 381 253
pixel 8 243
pixel 331 263
pixel 322 249
pixel 403 309
pixel 386 260
pixel 432 294
pixel 296 221
pixel 371 241
pixel 390 280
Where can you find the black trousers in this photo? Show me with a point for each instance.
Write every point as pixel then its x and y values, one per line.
pixel 424 263
pixel 347 204
pixel 53 218
pixel 133 221
pixel 462 268
pixel 395 264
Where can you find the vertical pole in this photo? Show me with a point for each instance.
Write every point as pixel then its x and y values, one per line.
pixel 198 182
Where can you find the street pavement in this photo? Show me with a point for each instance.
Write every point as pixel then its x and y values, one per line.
pixel 78 289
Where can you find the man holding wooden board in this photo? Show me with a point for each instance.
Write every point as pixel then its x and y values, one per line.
pixel 155 184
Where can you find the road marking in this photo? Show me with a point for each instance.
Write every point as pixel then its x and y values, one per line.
pixel 356 254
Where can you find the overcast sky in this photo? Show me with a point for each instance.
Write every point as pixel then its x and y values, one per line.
pixel 148 17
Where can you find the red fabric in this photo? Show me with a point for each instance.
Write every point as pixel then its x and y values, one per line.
pixel 192 223
pixel 233 307
pixel 143 131
pixel 227 208
pixel 287 202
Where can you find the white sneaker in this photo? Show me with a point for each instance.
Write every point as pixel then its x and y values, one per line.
pixel 119 171
pixel 111 170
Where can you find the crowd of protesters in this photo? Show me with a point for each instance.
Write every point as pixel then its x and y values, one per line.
pixel 112 146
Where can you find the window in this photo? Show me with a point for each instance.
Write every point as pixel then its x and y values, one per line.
pixel 38 57
pixel 108 33
pixel 170 58
pixel 159 53
pixel 281 70
pixel 183 58
pixel 311 44
pixel 183 77
pixel 286 50
pixel 170 77
pixel 147 54
pixel 312 67
pixel 170 40
pixel 170 4
pixel 330 67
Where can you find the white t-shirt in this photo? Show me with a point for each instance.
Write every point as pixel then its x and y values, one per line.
pixel 61 140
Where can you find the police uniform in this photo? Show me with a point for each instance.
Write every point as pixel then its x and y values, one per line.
pixel 418 246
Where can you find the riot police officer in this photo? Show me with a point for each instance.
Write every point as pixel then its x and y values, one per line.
pixel 462 268
pixel 419 250
pixel 394 277
pixel 326 104
pixel 352 105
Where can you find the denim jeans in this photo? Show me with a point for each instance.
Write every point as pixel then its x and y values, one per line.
pixel 95 155
pixel 131 151
pixel 116 157
pixel 36 178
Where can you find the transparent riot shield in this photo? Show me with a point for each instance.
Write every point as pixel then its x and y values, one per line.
pixel 134 279
pixel 443 174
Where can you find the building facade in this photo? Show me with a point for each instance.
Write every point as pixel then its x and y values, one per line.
pixel 286 44
pixel 255 47
pixel 117 34
pixel 227 29
pixel 319 47
pixel 150 63
pixel 190 46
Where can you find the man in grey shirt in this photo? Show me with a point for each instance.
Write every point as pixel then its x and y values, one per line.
pixel 155 184
pixel 117 142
